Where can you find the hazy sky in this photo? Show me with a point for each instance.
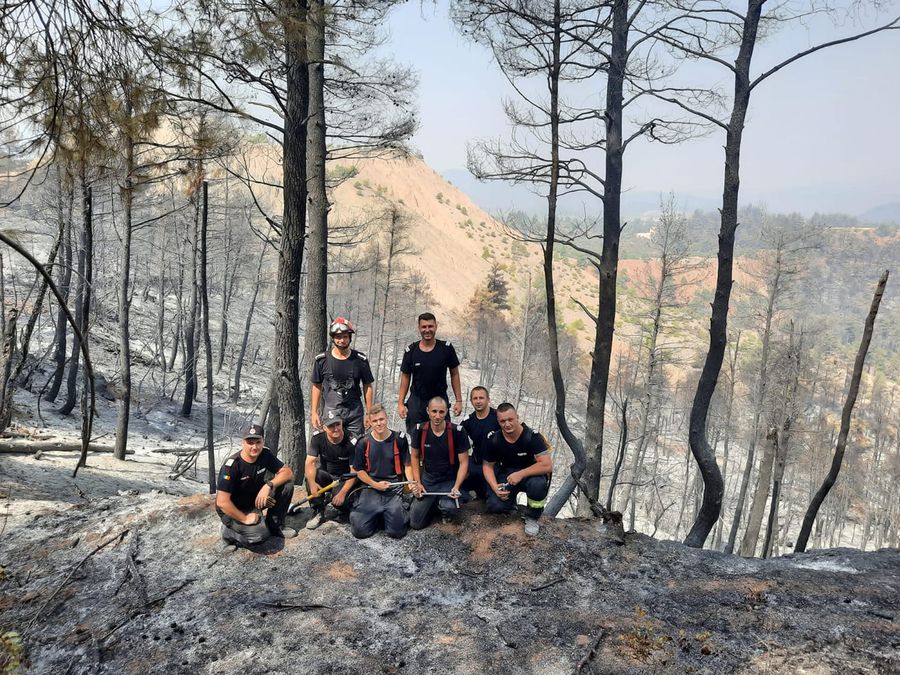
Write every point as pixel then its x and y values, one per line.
pixel 822 134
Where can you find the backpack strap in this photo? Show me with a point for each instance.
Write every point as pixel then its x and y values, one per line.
pixel 397 466
pixel 450 444
pixel 368 461
pixel 422 438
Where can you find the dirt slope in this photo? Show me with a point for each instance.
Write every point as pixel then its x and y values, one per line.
pixel 475 597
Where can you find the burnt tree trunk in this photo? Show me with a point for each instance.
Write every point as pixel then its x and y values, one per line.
pixel 286 376
pixel 248 321
pixel 189 369
pixel 83 295
pixel 718 324
pixel 846 414
pixel 7 354
pixel 609 256
pixel 315 293
pixel 207 342
pixel 124 403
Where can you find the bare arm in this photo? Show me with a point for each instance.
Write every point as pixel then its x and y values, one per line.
pixel 315 398
pixel 543 465
pixel 414 471
pixel 457 391
pixel 380 485
pixel 462 472
pixel 404 390
pixel 309 471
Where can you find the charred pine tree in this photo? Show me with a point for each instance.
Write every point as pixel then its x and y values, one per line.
pixel 316 289
pixel 846 415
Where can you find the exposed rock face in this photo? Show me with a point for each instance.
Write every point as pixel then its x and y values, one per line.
pixel 473 597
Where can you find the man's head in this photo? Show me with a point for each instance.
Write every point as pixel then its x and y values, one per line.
pixel 427 326
pixel 437 411
pixel 341 331
pixel 480 398
pixel 508 419
pixel 378 419
pixel 252 445
pixel 333 423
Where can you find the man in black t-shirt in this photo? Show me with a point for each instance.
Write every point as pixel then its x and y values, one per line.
pixel 423 374
pixel 244 492
pixel 381 458
pixel 440 463
pixel 478 425
pixel 342 379
pixel 517 459
pixel 328 458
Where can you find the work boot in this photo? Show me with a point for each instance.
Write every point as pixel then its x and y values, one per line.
pixel 532 527
pixel 286 532
pixel 317 519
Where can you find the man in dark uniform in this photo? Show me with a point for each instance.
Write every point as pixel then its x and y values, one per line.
pixel 327 459
pixel 243 493
pixel 517 459
pixel 342 379
pixel 381 458
pixel 478 425
pixel 423 374
pixel 440 463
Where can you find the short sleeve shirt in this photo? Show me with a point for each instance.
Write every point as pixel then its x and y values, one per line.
pixel 341 379
pixel 436 453
pixel 244 480
pixel 335 459
pixel 518 455
pixel 380 464
pixel 429 369
pixel 478 431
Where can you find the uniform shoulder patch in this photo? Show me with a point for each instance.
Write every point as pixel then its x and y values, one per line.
pixel 448 343
pixel 229 461
pixel 316 432
pixel 402 435
pixel 353 441
pixel 362 355
pixel 459 427
pixel 408 347
pixel 321 356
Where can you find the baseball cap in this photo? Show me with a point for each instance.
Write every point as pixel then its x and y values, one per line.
pixel 332 416
pixel 253 431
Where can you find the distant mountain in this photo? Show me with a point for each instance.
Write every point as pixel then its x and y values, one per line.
pixel 885 213
pixel 498 197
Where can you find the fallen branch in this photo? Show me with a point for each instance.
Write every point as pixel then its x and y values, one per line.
pixel 170 593
pixel 290 605
pixel 71 573
pixel 548 584
pixel 585 662
pixel 31 447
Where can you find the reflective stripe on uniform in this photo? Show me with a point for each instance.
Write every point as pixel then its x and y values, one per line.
pixel 536 503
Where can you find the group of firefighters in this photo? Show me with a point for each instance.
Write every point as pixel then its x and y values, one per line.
pixel 358 469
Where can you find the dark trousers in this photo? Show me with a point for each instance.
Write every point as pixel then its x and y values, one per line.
pixel 273 521
pixel 534 487
pixel 374 508
pixel 475 481
pixel 353 425
pixel 422 509
pixel 318 504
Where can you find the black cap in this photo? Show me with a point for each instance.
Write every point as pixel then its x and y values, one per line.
pixel 253 431
pixel 332 416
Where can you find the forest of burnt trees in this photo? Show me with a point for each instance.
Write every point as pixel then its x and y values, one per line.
pixel 172 172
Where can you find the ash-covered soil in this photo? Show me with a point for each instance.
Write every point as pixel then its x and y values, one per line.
pixel 476 597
